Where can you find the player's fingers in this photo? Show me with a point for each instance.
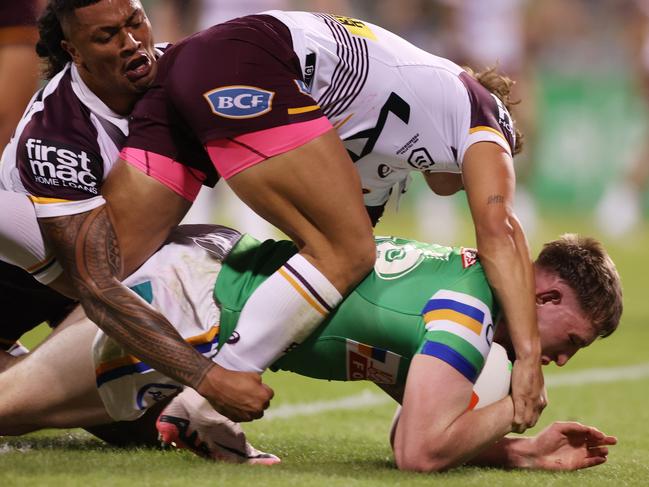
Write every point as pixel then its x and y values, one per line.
pixel 606 440
pixel 518 425
pixel 571 427
pixel 251 416
pixel 270 391
pixel 529 413
pixel 543 399
pixel 595 437
pixel 237 417
pixel 592 462
pixel 531 416
pixel 602 439
pixel 521 411
pixel 599 451
pixel 595 433
pixel 591 436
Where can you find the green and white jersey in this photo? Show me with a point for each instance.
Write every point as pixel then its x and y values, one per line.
pixel 420 298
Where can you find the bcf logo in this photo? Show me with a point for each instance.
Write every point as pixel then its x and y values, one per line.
pixel 239 101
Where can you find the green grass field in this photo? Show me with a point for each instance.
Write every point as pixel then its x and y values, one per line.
pixel 349 447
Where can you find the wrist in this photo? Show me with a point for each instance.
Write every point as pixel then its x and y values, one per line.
pixel 202 384
pixel 528 352
pixel 520 453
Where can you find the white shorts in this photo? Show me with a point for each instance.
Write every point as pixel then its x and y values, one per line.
pixel 179 282
pixel 21 242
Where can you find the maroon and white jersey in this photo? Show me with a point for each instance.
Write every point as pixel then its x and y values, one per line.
pixel 397 108
pixel 261 85
pixel 64 147
pixel 223 100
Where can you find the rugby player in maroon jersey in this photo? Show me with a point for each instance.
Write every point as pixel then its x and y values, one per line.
pixel 101 58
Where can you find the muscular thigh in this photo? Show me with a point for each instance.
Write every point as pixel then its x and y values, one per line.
pixel 54 386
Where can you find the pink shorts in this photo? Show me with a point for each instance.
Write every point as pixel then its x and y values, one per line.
pixel 229 156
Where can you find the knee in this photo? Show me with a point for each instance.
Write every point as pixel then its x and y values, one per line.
pixel 14 420
pixel 345 256
pixel 363 256
pixel 355 259
pixel 13 424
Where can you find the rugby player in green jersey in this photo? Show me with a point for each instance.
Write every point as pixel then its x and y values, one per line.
pixel 420 326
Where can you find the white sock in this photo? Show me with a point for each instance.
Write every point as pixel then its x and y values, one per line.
pixel 283 311
pixel 17 349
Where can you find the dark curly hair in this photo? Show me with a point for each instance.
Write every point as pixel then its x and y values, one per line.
pixel 51 34
pixel 583 264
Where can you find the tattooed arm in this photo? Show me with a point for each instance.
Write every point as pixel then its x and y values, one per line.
pixel 489 182
pixel 88 248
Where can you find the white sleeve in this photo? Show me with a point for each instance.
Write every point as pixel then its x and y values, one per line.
pixel 21 241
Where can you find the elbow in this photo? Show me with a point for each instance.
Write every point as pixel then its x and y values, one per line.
pixel 422 459
pixel 446 191
pixel 423 463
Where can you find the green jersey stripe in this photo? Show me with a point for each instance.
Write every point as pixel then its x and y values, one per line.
pixel 460 345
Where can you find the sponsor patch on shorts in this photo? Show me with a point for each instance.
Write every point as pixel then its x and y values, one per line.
pixel 153 393
pixel 365 362
pixel 239 101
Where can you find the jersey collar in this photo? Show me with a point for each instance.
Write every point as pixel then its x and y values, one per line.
pixel 94 103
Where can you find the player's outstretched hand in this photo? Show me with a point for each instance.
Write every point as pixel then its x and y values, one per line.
pixel 569 446
pixel 240 396
pixel 528 393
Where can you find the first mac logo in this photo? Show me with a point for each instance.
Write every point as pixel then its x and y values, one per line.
pixel 239 101
pixel 62 165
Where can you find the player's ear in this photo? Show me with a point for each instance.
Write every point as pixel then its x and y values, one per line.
pixel 550 296
pixel 71 50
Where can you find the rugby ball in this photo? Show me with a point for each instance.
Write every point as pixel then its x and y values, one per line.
pixel 492 385
pixel 495 379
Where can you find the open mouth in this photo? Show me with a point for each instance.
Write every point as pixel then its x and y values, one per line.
pixel 138 67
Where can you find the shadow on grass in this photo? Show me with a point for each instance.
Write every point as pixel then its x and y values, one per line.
pixel 73 441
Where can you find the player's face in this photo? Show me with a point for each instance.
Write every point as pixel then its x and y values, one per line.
pixel 112 45
pixel 563 330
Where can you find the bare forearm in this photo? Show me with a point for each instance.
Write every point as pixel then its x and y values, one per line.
pixel 508 265
pixel 474 430
pixel 505 453
pixel 145 333
pixel 87 247
pixel 427 448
